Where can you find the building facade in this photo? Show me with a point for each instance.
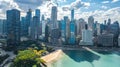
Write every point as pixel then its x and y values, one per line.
pixel 13 26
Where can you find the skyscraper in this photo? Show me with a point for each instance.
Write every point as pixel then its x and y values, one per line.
pixel 29 21
pixel 34 28
pixel 54 17
pixel 46 32
pixel 80 26
pixel 90 22
pixel 72 33
pixel 38 14
pixel 24 27
pixel 13 32
pixel 72 29
pixel 43 25
pixel 72 14
pixel 67 30
pixel 4 27
pixel 114 29
pixel 86 36
pixel 64 27
pixel 1 26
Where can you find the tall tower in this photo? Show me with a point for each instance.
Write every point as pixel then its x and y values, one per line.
pixel 34 28
pixel 90 22
pixel 43 25
pixel 23 26
pixel 37 13
pixel 72 28
pixel 54 17
pixel 13 32
pixel 29 21
pixel 72 14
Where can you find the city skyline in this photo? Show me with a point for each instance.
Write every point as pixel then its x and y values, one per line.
pixel 83 8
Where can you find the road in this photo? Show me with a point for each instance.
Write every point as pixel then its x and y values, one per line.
pixel 11 57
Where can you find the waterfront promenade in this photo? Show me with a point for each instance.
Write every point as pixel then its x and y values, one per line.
pixel 78 47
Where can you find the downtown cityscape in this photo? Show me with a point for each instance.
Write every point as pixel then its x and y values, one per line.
pixel 36 40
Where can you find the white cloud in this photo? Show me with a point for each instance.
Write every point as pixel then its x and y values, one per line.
pixel 62 1
pixel 76 5
pixel 6 5
pixel 101 15
pixel 113 1
pixel 104 2
pixel 45 7
pixel 104 7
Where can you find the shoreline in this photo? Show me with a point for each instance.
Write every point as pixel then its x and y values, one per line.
pixel 82 49
pixel 52 57
pixel 59 52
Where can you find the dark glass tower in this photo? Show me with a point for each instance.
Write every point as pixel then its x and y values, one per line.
pixel 13 26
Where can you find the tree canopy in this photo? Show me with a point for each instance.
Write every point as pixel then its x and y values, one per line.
pixel 29 58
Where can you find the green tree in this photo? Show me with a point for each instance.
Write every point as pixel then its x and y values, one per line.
pixel 28 58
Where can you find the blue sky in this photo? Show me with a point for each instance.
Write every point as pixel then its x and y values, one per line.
pixel 99 9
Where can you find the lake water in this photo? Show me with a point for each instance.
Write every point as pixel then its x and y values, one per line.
pixel 75 58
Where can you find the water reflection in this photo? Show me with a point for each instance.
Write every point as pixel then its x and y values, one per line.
pixel 88 58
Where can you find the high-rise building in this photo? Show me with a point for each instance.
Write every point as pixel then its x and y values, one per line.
pixel 72 14
pixel 13 32
pixel 4 27
pixel 72 38
pixel 54 18
pixel 98 28
pixel 23 27
pixel 86 36
pixel 1 26
pixel 105 39
pixel 34 28
pixel 63 26
pixel 55 35
pixel 109 21
pixel 47 33
pixel 67 30
pixel 80 26
pixel 102 28
pixel 90 22
pixel 114 29
pixel 38 14
pixel 43 25
pixel 95 28
pixel 29 21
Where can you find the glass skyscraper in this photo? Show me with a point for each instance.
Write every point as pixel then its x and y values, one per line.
pixel 29 21
pixel 54 17
pixel 72 14
pixel 72 28
pixel 13 26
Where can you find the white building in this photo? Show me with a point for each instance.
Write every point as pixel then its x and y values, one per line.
pixel 98 28
pixel 90 22
pixel 86 37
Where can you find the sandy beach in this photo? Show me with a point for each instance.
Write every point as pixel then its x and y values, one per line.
pixel 54 56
